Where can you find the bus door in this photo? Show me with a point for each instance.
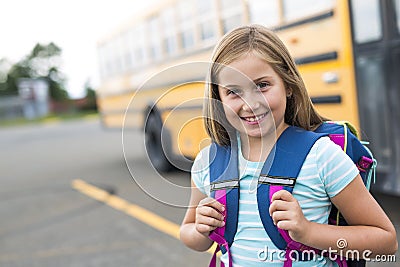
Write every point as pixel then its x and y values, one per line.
pixel 376 39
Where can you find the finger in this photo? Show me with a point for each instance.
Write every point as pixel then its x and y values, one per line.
pixel 278 216
pixel 284 225
pixel 212 202
pixel 279 205
pixel 210 221
pixel 209 212
pixel 214 222
pixel 204 228
pixel 282 195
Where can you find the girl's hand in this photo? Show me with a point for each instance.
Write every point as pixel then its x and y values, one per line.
pixel 209 215
pixel 287 215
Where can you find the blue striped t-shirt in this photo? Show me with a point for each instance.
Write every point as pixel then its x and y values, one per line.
pixel 326 171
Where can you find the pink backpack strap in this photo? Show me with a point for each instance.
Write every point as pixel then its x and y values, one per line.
pixel 220 240
pixel 294 245
pixel 218 235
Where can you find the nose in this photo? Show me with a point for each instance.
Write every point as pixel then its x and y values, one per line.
pixel 251 103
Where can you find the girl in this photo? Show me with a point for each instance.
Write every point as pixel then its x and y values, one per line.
pixel 255 94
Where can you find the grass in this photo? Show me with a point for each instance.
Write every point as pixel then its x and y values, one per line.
pixel 49 118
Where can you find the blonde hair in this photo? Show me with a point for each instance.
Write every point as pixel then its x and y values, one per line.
pixel 264 43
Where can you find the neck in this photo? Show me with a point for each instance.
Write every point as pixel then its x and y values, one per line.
pixel 257 149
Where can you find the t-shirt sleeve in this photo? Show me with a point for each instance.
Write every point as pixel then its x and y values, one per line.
pixel 335 167
pixel 200 171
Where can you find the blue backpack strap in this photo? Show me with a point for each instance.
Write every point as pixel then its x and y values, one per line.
pixel 280 171
pixel 354 148
pixel 224 182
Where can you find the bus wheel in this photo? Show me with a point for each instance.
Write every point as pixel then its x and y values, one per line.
pixel 154 146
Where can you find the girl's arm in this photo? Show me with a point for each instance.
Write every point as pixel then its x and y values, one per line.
pixel 202 216
pixel 370 228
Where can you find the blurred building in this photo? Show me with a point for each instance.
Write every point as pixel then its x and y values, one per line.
pixel 34 94
pixel 11 107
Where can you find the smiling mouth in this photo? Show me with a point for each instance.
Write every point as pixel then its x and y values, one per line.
pixel 254 118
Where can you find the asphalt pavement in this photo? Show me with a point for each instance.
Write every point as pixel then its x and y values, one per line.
pixel 46 222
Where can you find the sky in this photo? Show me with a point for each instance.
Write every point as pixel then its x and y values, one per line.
pixel 75 26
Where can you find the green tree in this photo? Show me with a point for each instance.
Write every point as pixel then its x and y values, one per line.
pixel 17 71
pixel 5 66
pixel 43 61
pixel 56 85
pixel 90 97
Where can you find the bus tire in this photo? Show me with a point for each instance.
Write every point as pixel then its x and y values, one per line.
pixel 154 145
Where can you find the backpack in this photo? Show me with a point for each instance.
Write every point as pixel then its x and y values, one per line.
pixel 279 172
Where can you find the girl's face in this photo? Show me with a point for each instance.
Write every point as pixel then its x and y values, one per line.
pixel 253 96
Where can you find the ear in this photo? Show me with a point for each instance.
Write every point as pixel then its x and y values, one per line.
pixel 289 92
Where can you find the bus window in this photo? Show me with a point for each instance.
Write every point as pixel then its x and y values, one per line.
pixel 296 9
pixel 139 45
pixel 187 38
pixel 108 66
pixel 231 14
pixel 397 6
pixel 185 14
pixel 264 12
pixel 154 33
pixel 101 54
pixel 207 19
pixel 116 55
pixel 170 45
pixel 207 30
pixel 226 4
pixel 127 57
pixel 169 42
pixel 204 7
pixel 367 20
pixel 231 22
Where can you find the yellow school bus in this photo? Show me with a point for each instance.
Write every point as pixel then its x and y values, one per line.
pixel 153 70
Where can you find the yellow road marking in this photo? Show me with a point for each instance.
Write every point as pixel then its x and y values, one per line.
pixel 139 213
